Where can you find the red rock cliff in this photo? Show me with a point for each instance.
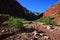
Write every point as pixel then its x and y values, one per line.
pixel 52 12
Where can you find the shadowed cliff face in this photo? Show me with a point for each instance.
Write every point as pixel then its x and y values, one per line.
pixel 12 7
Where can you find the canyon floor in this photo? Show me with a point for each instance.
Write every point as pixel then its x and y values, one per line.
pixel 33 31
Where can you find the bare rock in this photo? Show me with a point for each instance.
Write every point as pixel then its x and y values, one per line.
pixel 52 12
pixel 6 31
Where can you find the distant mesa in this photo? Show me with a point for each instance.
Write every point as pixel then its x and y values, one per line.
pixel 52 12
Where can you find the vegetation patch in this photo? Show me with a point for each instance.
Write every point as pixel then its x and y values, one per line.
pixel 47 20
pixel 16 23
pixel 58 13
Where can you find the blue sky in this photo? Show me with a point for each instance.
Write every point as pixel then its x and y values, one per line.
pixel 37 5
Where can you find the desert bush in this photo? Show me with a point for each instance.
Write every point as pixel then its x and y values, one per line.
pixel 12 17
pixel 58 13
pixel 16 23
pixel 5 15
pixel 47 20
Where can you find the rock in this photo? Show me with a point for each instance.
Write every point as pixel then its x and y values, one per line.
pixel 20 36
pixel 47 32
pixel 46 37
pixel 14 8
pixel 48 27
pixel 2 19
pixel 52 12
pixel 5 32
pixel 41 34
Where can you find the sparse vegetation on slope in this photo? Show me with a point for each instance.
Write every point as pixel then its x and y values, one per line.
pixel 58 13
pixel 47 20
pixel 15 22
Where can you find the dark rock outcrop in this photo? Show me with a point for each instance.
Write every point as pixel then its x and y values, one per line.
pixel 12 7
pixel 2 19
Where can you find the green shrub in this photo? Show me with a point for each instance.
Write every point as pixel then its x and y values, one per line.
pixel 6 15
pixel 58 13
pixel 15 22
pixel 47 20
pixel 52 23
pixel 12 17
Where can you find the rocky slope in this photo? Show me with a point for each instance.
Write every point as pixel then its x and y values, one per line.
pixel 32 30
pixel 35 31
pixel 14 8
pixel 52 12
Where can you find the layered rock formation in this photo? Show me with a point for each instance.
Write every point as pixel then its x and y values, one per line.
pixel 52 12
pixel 12 7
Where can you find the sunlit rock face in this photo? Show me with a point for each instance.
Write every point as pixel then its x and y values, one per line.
pixel 14 8
pixel 52 11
